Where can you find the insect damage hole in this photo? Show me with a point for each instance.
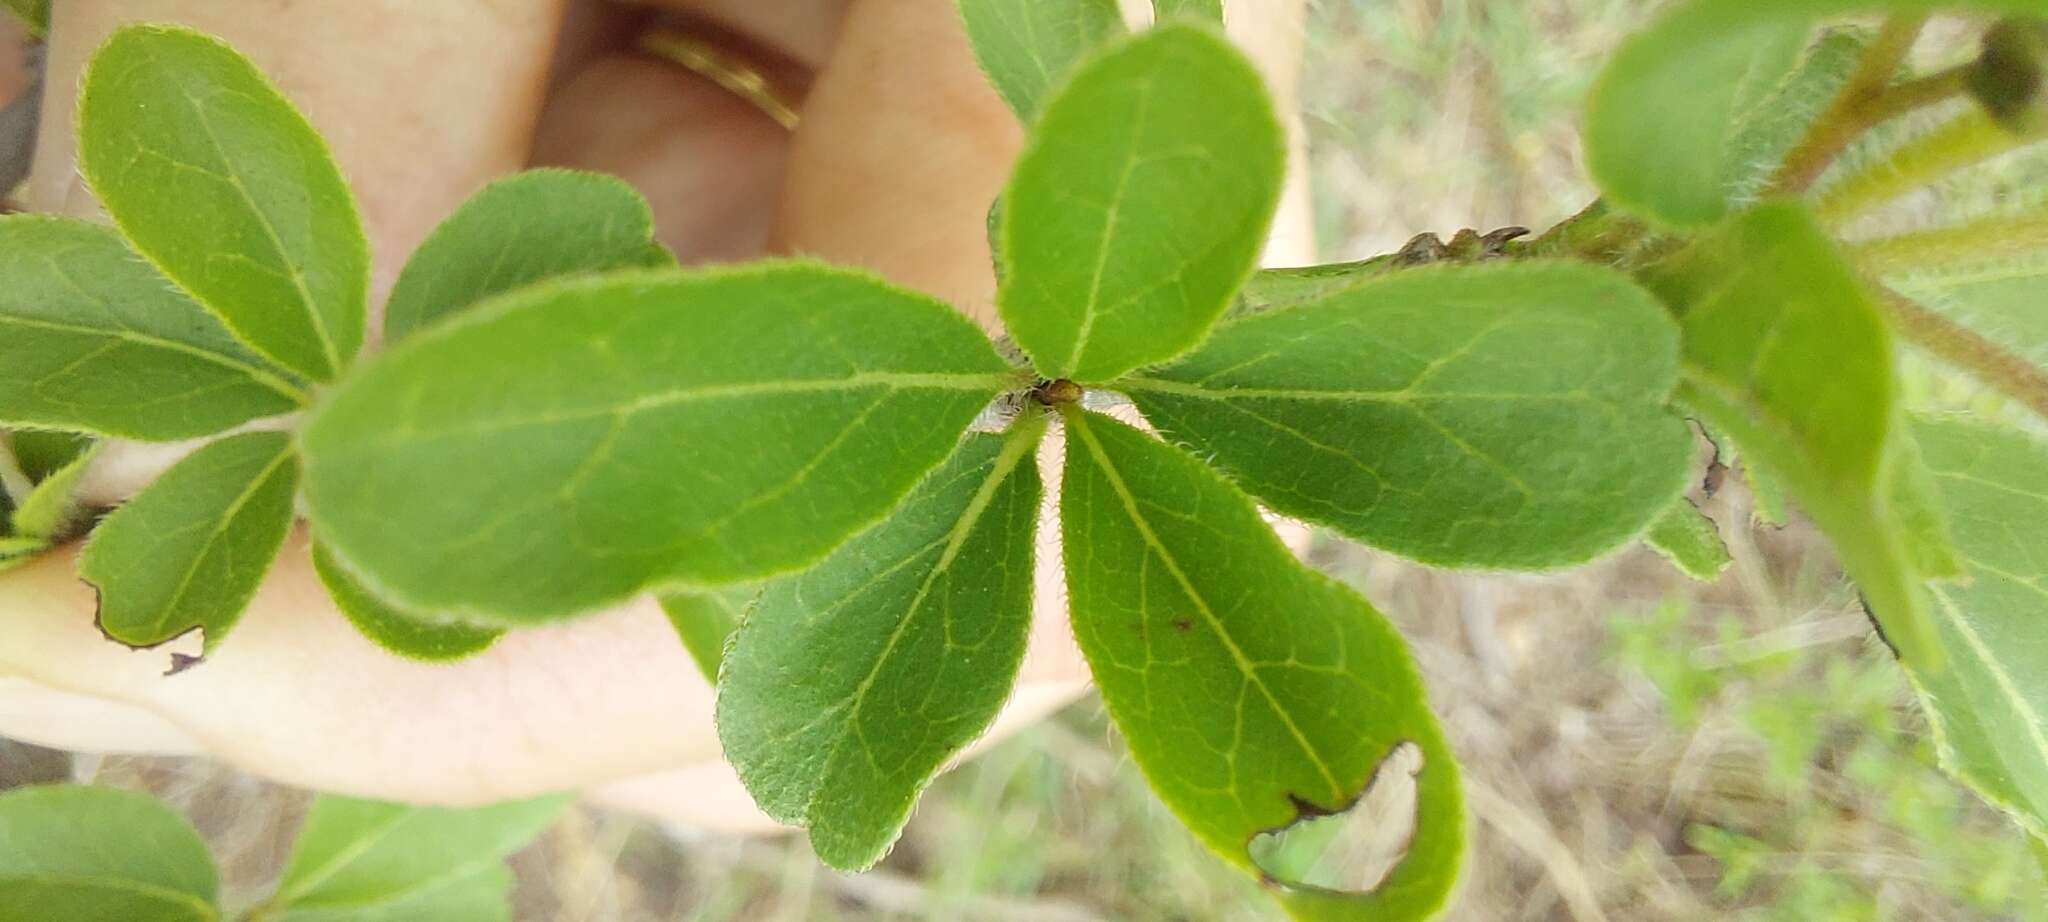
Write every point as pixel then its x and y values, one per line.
pixel 1355 847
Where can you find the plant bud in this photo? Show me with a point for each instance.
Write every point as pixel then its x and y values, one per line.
pixel 2008 77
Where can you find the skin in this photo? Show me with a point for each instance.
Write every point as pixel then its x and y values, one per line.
pixel 900 150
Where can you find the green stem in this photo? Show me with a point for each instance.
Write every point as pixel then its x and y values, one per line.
pixel 1966 140
pixel 1986 240
pixel 1867 99
pixel 1981 358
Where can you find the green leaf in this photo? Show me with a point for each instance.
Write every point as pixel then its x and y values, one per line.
pixel 1786 353
pixel 1211 10
pixel 49 511
pixel 1664 116
pixel 407 635
pixel 706 620
pixel 225 187
pixel 1252 690
pixel 1686 537
pixel 1767 131
pixel 1140 204
pixel 1767 494
pixel 366 856
pixel 1989 708
pixel 532 226
pixel 190 550
pixel 78 853
pixel 1027 47
pixel 482 895
pixel 1918 512
pixel 1294 286
pixel 649 430
pixel 91 338
pixel 35 14
pixel 42 452
pixel 1665 120
pixel 1505 415
pixel 849 686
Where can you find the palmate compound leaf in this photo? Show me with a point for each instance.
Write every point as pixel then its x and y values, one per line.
pixel 1140 204
pixel 1252 690
pixel 189 551
pixel 403 633
pixel 1027 46
pixel 850 685
pixel 366 859
pixel 71 852
pixel 224 186
pixel 1786 353
pixel 658 429
pixel 1506 415
pixel 1665 123
pixel 93 339
pixel 530 226
pixel 1989 708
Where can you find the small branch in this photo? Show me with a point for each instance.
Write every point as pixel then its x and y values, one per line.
pixel 1966 140
pixel 1959 346
pixel 1867 99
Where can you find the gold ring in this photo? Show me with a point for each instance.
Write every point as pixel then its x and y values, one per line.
pixel 719 65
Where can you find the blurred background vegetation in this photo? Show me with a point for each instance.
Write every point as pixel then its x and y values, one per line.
pixel 1637 747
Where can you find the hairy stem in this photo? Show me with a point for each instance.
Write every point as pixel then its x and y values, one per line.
pixel 1981 358
pixel 1867 99
pixel 1966 140
pixel 1988 239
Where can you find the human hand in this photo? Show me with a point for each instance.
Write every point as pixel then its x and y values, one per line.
pixel 900 148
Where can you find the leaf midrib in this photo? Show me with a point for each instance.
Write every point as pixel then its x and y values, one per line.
pixel 259 376
pixel 1076 422
pixel 991 382
pixel 315 316
pixel 1017 445
pixel 220 527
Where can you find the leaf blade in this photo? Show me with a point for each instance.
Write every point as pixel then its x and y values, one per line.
pixel 92 339
pixel 705 621
pixel 243 206
pixel 1160 164
pixel 850 685
pixel 1785 351
pixel 355 853
pixel 1026 47
pixel 396 631
pixel 806 401
pixel 189 551
pixel 1528 398
pixel 69 851
pixel 483 895
pixel 1686 537
pixel 1664 115
pixel 531 226
pixel 1988 706
pixel 34 15
pixel 1233 618
pixel 48 511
